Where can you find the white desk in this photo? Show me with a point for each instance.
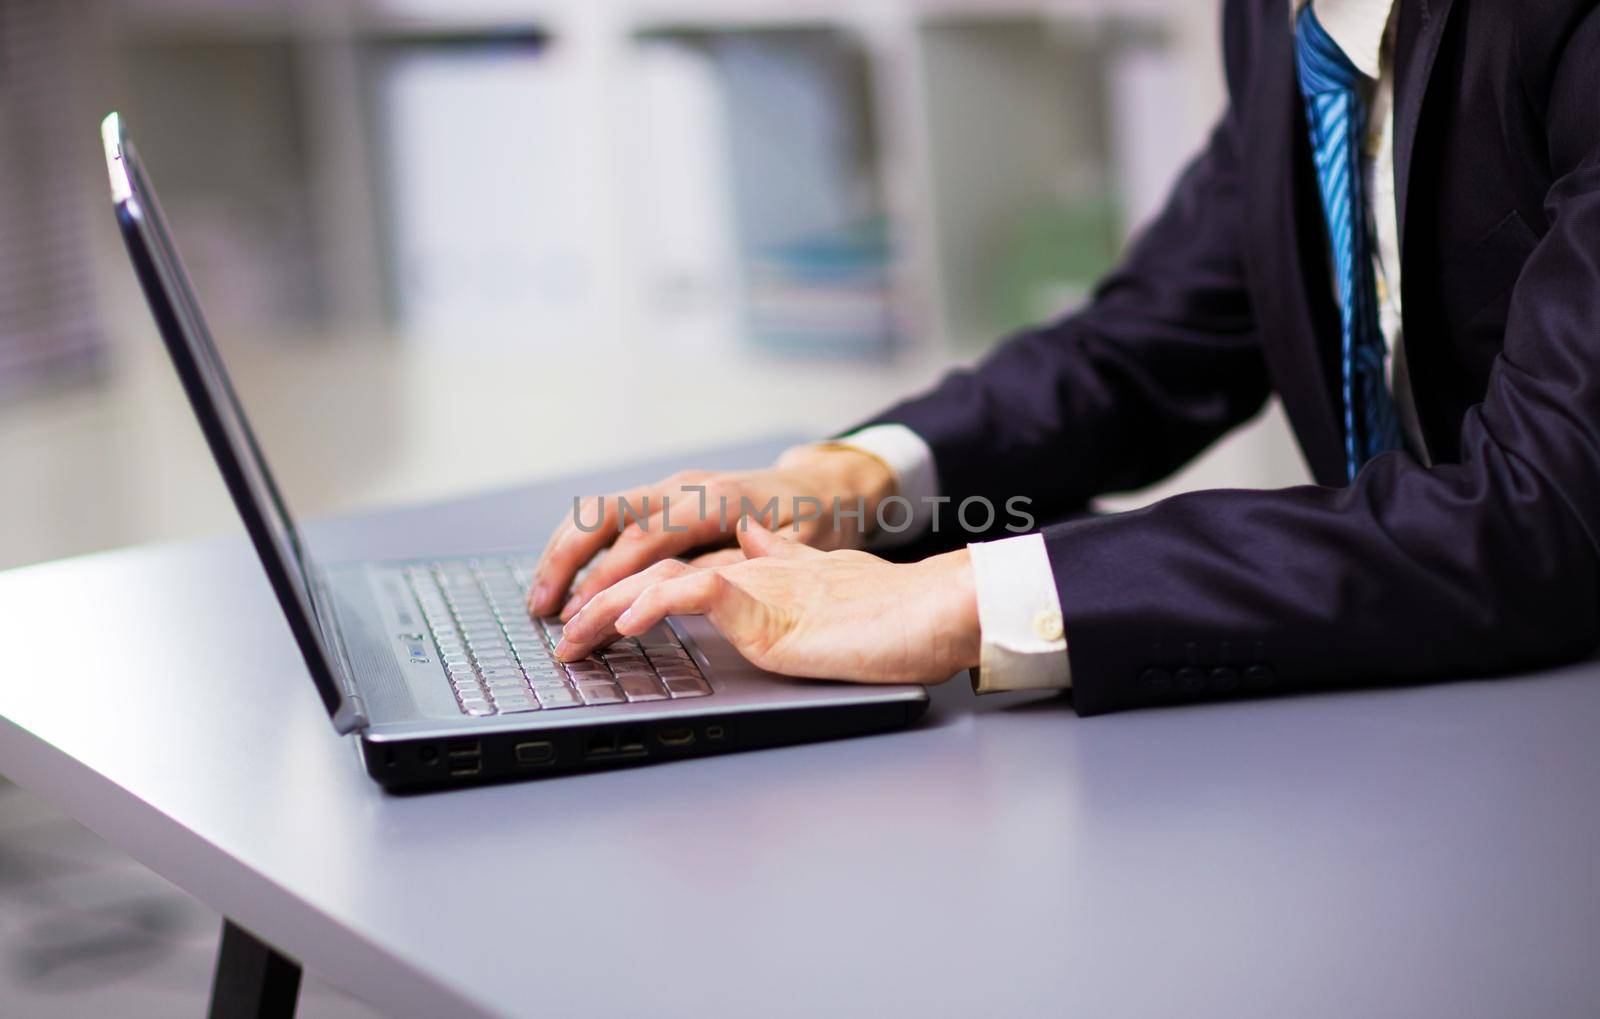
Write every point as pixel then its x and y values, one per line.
pixel 1411 852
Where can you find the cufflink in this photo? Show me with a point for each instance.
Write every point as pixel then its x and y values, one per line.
pixel 1047 625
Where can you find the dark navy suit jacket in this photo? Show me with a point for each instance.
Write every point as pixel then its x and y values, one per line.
pixel 1485 563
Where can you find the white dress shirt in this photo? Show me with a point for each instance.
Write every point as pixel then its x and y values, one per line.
pixel 1019 610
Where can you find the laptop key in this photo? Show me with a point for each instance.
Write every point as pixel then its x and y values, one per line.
pixel 562 697
pixel 641 687
pixel 601 693
pixel 688 687
pixel 667 651
pixel 670 665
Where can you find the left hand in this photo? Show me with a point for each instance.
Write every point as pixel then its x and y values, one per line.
pixel 796 610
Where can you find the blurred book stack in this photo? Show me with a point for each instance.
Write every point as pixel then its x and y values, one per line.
pixel 814 243
pixel 828 294
pixel 485 232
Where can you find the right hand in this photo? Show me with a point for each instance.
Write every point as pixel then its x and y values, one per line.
pixel 801 475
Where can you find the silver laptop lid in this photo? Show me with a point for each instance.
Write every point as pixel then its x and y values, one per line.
pixel 222 418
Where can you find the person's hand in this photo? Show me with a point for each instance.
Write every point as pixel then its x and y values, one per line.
pixel 705 508
pixel 800 611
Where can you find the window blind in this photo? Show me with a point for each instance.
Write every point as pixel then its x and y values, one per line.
pixel 48 324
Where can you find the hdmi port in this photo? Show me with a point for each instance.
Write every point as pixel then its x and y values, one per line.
pixel 536 753
pixel 676 737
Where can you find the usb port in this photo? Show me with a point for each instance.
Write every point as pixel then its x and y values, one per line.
pixel 463 769
pixel 611 744
pixel 461 748
pixel 536 753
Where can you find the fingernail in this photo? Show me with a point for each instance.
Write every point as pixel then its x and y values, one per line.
pixel 573 605
pixel 540 593
pixel 623 620
pixel 563 649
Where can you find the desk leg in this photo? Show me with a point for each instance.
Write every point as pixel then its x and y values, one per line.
pixel 252 981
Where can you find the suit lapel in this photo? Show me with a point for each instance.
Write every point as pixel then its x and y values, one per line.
pixel 1288 258
pixel 1417 37
pixel 1418 34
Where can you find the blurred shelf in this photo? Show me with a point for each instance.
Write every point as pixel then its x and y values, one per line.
pixel 951 192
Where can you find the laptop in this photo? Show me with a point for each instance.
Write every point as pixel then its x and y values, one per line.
pixel 435 665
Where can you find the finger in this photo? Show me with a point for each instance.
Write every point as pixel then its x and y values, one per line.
pixel 569 547
pixel 721 557
pixel 640 544
pixel 592 627
pixel 733 611
pixel 588 529
pixel 756 541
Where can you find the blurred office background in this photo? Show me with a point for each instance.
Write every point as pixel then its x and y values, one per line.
pixel 448 245
pixel 453 244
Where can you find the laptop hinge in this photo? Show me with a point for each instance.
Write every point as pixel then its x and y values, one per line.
pixel 352 713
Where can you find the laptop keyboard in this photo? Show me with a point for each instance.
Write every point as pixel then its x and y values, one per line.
pixel 500 661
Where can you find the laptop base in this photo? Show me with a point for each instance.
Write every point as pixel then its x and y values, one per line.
pixel 437 763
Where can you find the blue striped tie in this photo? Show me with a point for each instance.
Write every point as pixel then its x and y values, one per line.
pixel 1328 81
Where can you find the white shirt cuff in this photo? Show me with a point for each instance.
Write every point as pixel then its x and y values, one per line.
pixel 1019 613
pixel 907 515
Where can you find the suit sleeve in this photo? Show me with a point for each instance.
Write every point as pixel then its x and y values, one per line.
pixel 1162 362
pixel 1476 568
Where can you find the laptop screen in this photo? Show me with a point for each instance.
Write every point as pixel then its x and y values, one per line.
pixel 216 405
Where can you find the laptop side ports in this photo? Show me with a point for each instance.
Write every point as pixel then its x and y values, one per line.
pixel 676 737
pixel 614 745
pixel 536 753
